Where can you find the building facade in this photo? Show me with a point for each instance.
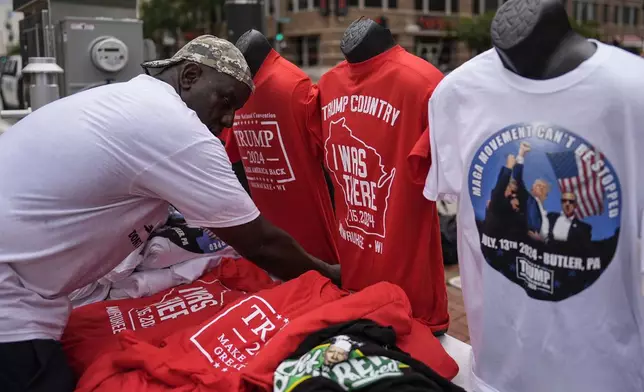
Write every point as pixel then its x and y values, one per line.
pixel 423 27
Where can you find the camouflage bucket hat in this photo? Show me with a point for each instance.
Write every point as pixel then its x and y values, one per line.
pixel 213 52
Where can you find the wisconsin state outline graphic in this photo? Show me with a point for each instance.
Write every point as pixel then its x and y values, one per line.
pixel 341 134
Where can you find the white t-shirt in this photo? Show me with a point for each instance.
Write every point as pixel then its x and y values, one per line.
pixel 555 315
pixel 84 181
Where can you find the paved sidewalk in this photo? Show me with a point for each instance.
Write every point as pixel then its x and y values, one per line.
pixel 458 320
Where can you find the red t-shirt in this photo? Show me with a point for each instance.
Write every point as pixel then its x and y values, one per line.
pixel 212 353
pixel 373 114
pixel 93 330
pixel 272 139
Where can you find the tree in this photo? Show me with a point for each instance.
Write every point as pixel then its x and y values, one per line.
pixel 475 31
pixel 13 50
pixel 586 29
pixel 176 17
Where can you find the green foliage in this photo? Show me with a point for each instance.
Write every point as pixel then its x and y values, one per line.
pixel 586 29
pixel 475 31
pixel 13 50
pixel 175 16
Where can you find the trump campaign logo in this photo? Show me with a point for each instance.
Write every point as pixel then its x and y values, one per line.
pixel 548 206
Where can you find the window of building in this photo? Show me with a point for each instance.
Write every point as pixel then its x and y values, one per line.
pixel 626 15
pixel 302 5
pixel 373 3
pixel 353 3
pixel 575 10
pixel 392 4
pixel 616 14
pixel 594 7
pixel 636 16
pixel 454 5
pixel 269 7
pixel 606 11
pixel 437 5
pixel 584 11
pixel 446 6
pixel 308 50
pixel 491 5
pixel 435 50
pixel 476 7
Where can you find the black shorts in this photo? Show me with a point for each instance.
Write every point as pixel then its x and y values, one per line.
pixel 35 366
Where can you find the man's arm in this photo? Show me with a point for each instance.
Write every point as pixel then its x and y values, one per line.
pixel 199 181
pixel 503 179
pixel 517 172
pixel 274 250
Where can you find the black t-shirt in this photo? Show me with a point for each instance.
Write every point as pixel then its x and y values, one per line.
pixel 356 356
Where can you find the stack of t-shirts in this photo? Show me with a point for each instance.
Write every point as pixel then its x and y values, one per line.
pixel 94 330
pixel 174 254
pixel 242 346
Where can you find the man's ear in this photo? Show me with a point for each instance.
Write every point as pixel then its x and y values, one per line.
pixel 189 75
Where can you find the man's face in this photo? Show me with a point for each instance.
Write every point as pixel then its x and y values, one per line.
pixel 214 96
pixel 540 190
pixel 335 355
pixel 568 204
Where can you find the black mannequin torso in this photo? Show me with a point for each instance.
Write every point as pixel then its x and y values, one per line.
pixel 255 47
pixel 365 39
pixel 534 39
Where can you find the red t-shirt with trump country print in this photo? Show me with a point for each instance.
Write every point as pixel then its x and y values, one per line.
pixel 373 114
pixel 272 137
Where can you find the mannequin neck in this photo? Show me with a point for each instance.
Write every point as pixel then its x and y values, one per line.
pixel 255 48
pixel 546 48
pixel 365 39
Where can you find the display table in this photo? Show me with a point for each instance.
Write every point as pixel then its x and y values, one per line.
pixel 462 354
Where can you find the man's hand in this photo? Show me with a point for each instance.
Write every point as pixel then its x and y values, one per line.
pixel 335 274
pixel 510 161
pixel 535 236
pixel 524 148
pixel 274 250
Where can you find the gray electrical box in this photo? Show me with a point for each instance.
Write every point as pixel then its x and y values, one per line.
pixel 98 50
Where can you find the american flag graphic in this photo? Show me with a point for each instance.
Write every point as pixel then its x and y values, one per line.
pixel 574 175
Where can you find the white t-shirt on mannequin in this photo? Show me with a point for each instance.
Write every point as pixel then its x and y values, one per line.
pixel 85 179
pixel 547 314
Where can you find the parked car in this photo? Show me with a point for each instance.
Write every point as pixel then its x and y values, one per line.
pixel 12 88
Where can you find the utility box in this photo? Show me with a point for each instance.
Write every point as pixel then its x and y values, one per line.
pixel 96 51
pixel 94 41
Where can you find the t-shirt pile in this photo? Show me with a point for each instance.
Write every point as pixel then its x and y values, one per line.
pixel 175 253
pixel 387 230
pixel 550 210
pixel 120 157
pixel 271 135
pixel 239 348
pixel 94 330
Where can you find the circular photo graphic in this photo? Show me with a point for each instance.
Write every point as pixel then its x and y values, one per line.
pixel 547 205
